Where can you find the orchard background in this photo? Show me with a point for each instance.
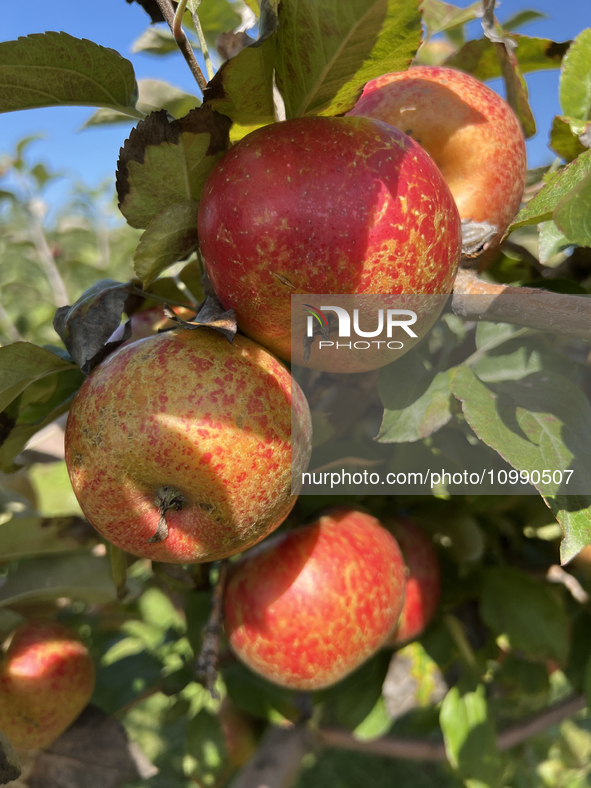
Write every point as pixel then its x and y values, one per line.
pixel 495 691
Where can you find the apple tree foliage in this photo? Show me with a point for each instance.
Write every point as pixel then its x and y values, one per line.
pixel 512 637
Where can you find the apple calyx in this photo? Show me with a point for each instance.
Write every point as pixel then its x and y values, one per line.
pixel 476 237
pixel 166 498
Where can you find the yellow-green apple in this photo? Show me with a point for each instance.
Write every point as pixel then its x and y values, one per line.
pixel 472 134
pixel 423 582
pixel 309 606
pixel 179 446
pixel 324 205
pixel 46 678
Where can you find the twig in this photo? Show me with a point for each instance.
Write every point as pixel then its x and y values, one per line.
pixel 206 667
pixel 60 296
pixel 182 42
pixel 556 574
pixel 523 306
pixel 422 749
pixel 202 42
pixel 277 761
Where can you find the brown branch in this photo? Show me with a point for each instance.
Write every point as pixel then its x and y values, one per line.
pixel 182 42
pixel 206 667
pixel 422 749
pixel 277 761
pixel 523 306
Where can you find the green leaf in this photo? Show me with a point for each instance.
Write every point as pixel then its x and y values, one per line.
pixel 349 702
pixel 522 18
pixel 55 69
pixel 242 89
pixel 469 735
pixel 479 57
pixel 551 241
pixel 165 162
pixel 207 747
pixel 24 363
pixel 563 141
pixel 170 236
pixel 327 52
pixel 542 422
pixel 537 625
pixel 18 425
pixel 216 16
pixel 573 213
pixel 439 16
pixel 155 41
pixel 574 91
pixel 573 512
pixel 558 185
pixel 416 402
pixel 154 94
pixel 84 577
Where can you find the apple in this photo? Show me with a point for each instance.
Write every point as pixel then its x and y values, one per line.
pixel 179 446
pixel 324 205
pixel 307 607
pixel 46 678
pixel 472 134
pixel 423 583
pixel 150 321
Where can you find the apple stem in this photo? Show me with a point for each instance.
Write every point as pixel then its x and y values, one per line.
pixel 182 42
pixel 206 666
pixel 166 498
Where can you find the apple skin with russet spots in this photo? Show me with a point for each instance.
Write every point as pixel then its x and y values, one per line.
pixel 423 583
pixel 46 679
pixel 309 606
pixel 184 426
pixel 472 134
pixel 324 205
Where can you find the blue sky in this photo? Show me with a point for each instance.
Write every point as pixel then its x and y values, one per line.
pixel 92 154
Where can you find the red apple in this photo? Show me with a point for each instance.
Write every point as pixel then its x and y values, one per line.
pixel 472 134
pixel 324 205
pixel 310 605
pixel 46 679
pixel 179 446
pixel 423 583
pixel 150 321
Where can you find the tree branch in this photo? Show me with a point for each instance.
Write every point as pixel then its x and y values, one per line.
pixel 425 750
pixel 206 667
pixel 277 761
pixel 182 42
pixel 523 306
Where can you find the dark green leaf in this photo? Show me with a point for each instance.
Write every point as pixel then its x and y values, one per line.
pixel 558 185
pixel 479 57
pixel 563 141
pixel 573 213
pixel 527 612
pixel 416 402
pixel 86 326
pixel 165 162
pixel 170 236
pixel 53 69
pixel 575 79
pixel 469 734
pixel 84 577
pixel 29 535
pixel 327 52
pixel 207 746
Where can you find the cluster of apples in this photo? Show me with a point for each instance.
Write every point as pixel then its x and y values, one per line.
pixel 181 447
